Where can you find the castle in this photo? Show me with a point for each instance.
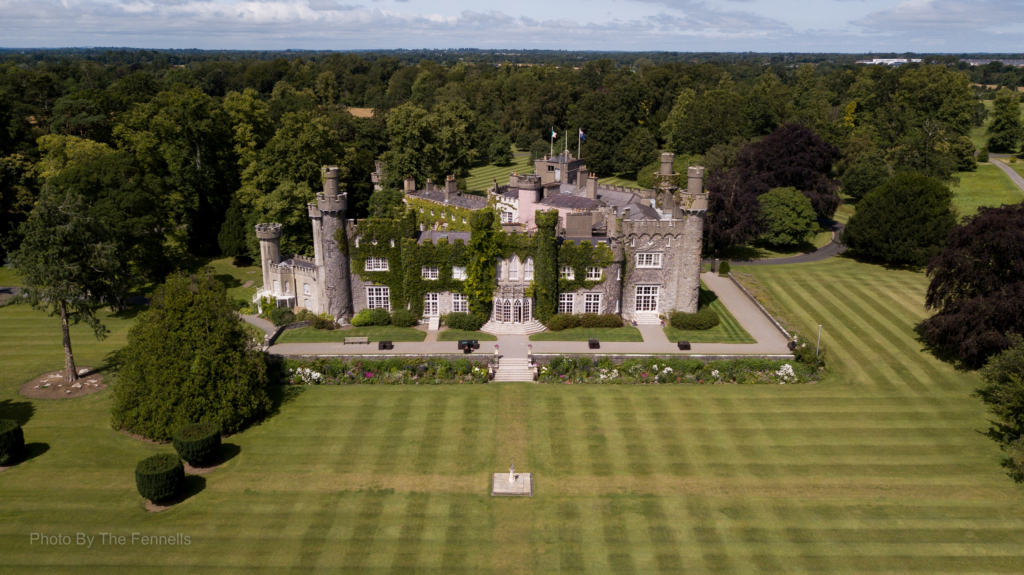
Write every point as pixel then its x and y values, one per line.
pixel 654 237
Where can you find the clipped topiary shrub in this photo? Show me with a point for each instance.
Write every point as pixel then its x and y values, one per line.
pixel 723 269
pixel 562 321
pixel 606 320
pixel 12 441
pixel 368 317
pixel 983 155
pixel 464 321
pixel 404 318
pixel 198 443
pixel 159 477
pixel 705 318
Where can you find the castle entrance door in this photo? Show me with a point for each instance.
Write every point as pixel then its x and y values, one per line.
pixel 646 299
pixel 430 304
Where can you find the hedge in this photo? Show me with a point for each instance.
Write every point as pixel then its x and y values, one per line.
pixel 564 321
pixel 281 316
pixel 723 269
pixel 12 441
pixel 197 443
pixel 404 318
pixel 159 477
pixel 463 321
pixel 368 317
pixel 705 318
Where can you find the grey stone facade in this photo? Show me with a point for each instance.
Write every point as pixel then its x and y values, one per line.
pixel 655 236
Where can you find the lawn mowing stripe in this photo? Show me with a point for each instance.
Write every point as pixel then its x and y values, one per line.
pixel 616 536
pixel 394 437
pixel 455 550
pixel 630 435
pixel 469 432
pixel 668 446
pixel 431 438
pixel 863 319
pixel 704 531
pixel 761 532
pixel 570 552
pixel 597 440
pixel 661 535
pixel 905 327
pixel 365 524
pixel 558 435
pixel 407 552
pixel 851 346
pixel 313 541
pixel 363 418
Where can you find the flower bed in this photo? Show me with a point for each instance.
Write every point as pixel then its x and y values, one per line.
pixel 387 371
pixel 583 370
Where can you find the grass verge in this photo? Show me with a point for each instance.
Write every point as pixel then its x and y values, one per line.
pixel 727 331
pixel 585 333
pixel 375 333
pixel 457 334
pixel 988 186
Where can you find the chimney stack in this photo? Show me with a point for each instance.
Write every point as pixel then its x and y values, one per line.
pixel 430 184
pixel 592 186
pixel 695 183
pixel 410 185
pixel 667 158
pixel 330 181
pixel 449 188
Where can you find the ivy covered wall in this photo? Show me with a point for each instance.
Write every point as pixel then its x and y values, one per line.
pixel 431 214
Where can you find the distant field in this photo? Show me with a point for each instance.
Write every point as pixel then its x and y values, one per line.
pixel 481 178
pixel 761 250
pixel 361 112
pixel 989 186
pixel 978 132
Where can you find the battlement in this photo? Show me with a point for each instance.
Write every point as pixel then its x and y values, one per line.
pixel 693 203
pixel 331 204
pixel 268 231
pixel 314 211
pixel 650 228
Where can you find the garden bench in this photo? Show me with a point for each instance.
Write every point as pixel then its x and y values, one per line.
pixel 364 339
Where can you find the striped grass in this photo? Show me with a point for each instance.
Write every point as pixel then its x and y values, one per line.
pixel 728 329
pixel 481 178
pixel 374 332
pixel 877 469
pixel 989 186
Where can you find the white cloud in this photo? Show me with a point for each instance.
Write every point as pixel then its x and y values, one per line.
pixel 919 15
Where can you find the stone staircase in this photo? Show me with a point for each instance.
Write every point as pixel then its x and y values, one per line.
pixel 647 319
pixel 433 323
pixel 496 328
pixel 513 369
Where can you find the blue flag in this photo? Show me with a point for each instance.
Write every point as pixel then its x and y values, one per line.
pixel 582 135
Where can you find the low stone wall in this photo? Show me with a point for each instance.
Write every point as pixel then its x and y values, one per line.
pixel 272 337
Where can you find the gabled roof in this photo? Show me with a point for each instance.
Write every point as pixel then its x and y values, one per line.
pixel 570 202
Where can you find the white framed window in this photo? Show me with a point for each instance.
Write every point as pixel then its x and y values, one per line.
pixel 277 286
pixel 632 242
pixel 423 227
pixel 497 269
pixel 428 273
pixel 376 264
pixel 430 304
pixel 668 243
pixel 463 220
pixel 357 241
pixel 592 303
pixel 431 212
pixel 459 273
pixel 309 304
pixel 287 287
pixel 421 210
pixel 646 298
pixel 378 297
pixel 392 243
pixel 506 217
pixel 593 273
pixel 528 269
pixel 618 275
pixel 648 260
pixel 460 303
pixel 444 215
pixel 305 289
pixel 513 268
pixel 565 303
pixel 567 273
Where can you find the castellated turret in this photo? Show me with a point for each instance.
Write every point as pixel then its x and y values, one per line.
pixel 330 207
pixel 269 236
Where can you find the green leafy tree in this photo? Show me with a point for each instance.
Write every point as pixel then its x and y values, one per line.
pixel 500 151
pixel 539 149
pixel 904 221
pixel 713 117
pixel 189 359
pixel 638 149
pixel 387 203
pixel 280 206
pixel 431 144
pixel 1006 129
pixel 790 217
pixel 233 232
pixel 67 260
pixel 18 191
pixel 62 152
pixel 867 173
pixel 1003 394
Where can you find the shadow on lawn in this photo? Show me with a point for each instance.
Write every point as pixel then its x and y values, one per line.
pixel 281 395
pixel 229 451
pixel 20 411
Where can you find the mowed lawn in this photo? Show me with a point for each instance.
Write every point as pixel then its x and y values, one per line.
pixel 989 186
pixel 481 178
pixel 374 332
pixel 878 468
pixel 728 329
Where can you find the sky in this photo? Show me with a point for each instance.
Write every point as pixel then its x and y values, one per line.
pixel 951 26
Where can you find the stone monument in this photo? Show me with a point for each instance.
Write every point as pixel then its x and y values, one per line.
pixel 515 484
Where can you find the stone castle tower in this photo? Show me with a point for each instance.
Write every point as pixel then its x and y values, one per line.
pixel 328 219
pixel 269 236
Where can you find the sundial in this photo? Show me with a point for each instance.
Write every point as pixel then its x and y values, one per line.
pixel 512 483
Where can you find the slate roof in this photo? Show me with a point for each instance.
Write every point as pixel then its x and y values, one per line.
pixel 297 263
pixel 458 200
pixel 435 235
pixel 511 193
pixel 570 202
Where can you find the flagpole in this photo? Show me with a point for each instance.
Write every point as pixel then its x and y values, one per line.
pixel 552 152
pixel 579 142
